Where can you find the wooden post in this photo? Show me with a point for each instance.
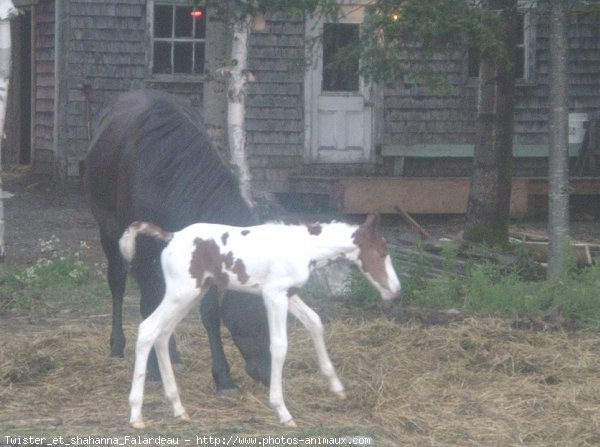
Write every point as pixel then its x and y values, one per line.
pixel 7 12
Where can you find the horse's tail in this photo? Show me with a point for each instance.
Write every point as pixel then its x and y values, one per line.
pixel 128 240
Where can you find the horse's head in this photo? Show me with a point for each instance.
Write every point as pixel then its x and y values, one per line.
pixel 374 260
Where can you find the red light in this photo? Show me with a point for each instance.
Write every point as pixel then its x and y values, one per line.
pixel 196 13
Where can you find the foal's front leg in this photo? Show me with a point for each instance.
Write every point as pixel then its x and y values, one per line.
pixel 276 303
pixel 312 322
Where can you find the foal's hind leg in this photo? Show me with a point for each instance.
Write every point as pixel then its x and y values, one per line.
pixel 312 322
pixel 147 271
pixel 156 330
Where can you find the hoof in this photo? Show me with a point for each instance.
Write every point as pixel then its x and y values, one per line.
pixel 228 393
pixel 138 424
pixel 341 395
pixel 183 417
pixel 290 424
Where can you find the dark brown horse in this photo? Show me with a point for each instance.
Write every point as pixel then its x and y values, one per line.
pixel 151 159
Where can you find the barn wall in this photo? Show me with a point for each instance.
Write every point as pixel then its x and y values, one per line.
pixel 106 48
pixel 43 88
pixel 105 44
pixel 106 53
pixel 413 115
pixel 275 102
pixel 584 82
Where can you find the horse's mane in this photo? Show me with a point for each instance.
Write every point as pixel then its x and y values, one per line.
pixel 171 150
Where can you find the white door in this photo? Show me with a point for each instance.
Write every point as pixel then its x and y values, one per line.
pixel 338 108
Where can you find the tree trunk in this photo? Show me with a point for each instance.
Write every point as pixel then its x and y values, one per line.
pixel 7 11
pixel 488 205
pixel 558 175
pixel 236 106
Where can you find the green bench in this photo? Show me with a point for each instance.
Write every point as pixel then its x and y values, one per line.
pixel 399 152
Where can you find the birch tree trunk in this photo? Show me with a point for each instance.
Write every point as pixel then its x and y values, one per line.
pixel 558 175
pixel 236 105
pixel 7 11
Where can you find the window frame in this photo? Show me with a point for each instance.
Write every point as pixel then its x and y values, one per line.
pixel 172 77
pixel 525 8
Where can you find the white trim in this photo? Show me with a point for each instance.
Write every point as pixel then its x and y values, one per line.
pixel 312 85
pixel 170 77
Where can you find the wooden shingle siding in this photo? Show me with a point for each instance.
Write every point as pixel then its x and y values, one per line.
pixel 413 115
pixel 584 83
pixel 107 50
pixel 43 88
pixel 274 116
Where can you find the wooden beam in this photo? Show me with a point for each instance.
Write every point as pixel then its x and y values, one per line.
pixel 414 195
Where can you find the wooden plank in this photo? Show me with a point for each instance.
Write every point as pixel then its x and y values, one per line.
pixel 414 195
pixel 578 186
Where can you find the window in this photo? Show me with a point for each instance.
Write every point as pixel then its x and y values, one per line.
pixel 340 58
pixel 523 51
pixel 178 39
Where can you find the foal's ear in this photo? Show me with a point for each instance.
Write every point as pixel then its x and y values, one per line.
pixel 372 222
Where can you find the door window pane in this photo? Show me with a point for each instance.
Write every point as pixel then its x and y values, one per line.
pixel 340 57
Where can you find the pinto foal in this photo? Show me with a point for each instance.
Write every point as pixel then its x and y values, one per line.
pixel 274 260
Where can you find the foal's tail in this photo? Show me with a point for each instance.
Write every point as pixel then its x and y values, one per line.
pixel 127 241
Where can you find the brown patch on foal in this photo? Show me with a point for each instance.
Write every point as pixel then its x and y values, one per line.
pixel 245 232
pixel 150 229
pixel 207 259
pixel 372 251
pixel 314 229
pixel 224 238
pixel 240 270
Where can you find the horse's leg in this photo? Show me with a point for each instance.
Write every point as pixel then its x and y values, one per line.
pixel 245 317
pixel 117 277
pixel 312 322
pixel 170 314
pixel 276 303
pixel 211 318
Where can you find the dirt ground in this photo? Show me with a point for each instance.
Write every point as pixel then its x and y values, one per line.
pixel 470 382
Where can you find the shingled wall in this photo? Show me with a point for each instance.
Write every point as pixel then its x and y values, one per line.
pixel 413 115
pixel 43 88
pixel 275 122
pixel 105 48
pixel 583 76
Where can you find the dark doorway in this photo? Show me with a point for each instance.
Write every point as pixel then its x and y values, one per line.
pixel 17 147
pixel 25 31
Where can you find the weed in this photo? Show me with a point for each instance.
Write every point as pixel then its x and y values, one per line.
pixel 56 279
pixel 491 289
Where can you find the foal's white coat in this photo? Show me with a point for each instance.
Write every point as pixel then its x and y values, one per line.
pixel 273 260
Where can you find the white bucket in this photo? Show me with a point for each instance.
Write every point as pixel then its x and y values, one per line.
pixel 576 127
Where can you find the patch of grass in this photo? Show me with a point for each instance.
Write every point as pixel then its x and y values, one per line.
pixel 490 289
pixel 55 280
